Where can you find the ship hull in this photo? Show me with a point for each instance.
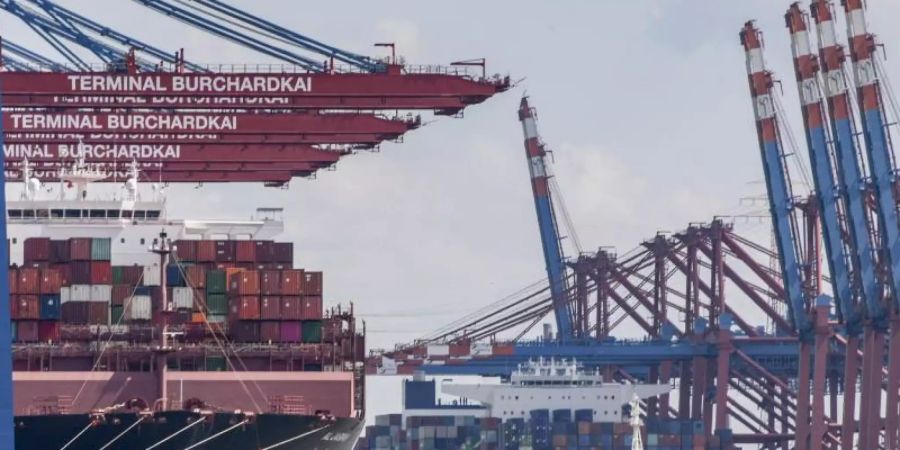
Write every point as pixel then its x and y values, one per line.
pixel 173 430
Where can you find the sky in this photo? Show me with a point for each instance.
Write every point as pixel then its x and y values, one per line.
pixel 644 103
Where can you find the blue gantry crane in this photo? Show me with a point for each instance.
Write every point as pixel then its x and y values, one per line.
pixel 554 258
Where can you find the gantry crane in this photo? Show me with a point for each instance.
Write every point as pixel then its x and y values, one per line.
pixel 550 238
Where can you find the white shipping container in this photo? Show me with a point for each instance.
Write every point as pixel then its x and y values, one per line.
pixel 101 293
pixel 438 350
pixel 65 294
pixel 152 276
pixel 183 297
pixel 138 307
pixel 80 293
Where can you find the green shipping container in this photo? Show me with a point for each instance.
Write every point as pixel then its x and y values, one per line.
pixel 115 314
pixel 216 364
pixel 216 282
pixel 216 318
pixel 101 249
pixel 118 275
pixel 12 328
pixel 311 331
pixel 216 304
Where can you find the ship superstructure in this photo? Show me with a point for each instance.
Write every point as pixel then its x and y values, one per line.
pixel 555 384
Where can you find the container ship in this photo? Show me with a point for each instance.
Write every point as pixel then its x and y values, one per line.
pixel 545 405
pixel 133 330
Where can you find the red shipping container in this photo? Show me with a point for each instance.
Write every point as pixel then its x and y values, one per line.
pixel 290 331
pixel 224 251
pixel 283 252
pixel 48 330
pixel 98 313
pixel 245 251
pixel 37 249
pixel 80 249
pixel 270 282
pixel 265 251
pixel 269 331
pixel 503 350
pixel 120 292
pixel 81 272
pixel 311 307
pixel 75 312
pixel 248 307
pixel 292 282
pixel 312 283
pixel 101 272
pixel 291 307
pixel 65 273
pixel 245 282
pixel 51 281
pixel 270 308
pixel 206 251
pixel 132 275
pixel 12 277
pixel 196 276
pixel 186 250
pixel 27 331
pixel 29 281
pixel 59 251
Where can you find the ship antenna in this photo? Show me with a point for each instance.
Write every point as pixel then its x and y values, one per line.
pixel 163 349
pixel 635 422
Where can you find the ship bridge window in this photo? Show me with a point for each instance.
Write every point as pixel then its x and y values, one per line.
pixel 126 214
pixel 140 214
pixel 56 213
pixel 73 213
pixel 15 213
pixel 28 213
pixel 98 213
pixel 153 214
pixel 112 213
pixel 42 213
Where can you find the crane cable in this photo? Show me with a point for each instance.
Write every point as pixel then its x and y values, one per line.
pixel 169 437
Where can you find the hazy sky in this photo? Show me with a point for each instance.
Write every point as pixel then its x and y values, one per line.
pixel 644 103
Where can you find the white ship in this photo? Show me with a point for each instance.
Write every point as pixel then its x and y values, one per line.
pixel 132 219
pixel 545 384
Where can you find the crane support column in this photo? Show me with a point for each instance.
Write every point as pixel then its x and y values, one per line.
pixel 880 157
pixel 543 203
pixel 806 68
pixel 781 208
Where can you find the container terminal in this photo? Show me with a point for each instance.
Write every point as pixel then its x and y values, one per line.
pixel 134 329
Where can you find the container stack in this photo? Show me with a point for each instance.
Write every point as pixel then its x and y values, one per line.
pixel 543 430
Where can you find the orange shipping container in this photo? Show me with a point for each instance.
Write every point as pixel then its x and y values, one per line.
pixel 503 349
pixel 206 251
pixel 29 281
pixel 12 278
pixel 196 276
pixel 246 307
pixel 270 282
pixel 244 283
pixel 311 307
pixel 51 281
pixel 270 308
pixel 292 282
pixel 27 307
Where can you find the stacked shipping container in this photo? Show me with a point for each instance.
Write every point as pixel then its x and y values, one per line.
pixel 247 288
pixel 544 430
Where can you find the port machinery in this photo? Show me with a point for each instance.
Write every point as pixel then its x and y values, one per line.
pixel 117 99
pixel 796 347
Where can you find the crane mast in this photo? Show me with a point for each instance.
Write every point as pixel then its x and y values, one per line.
pixel 543 204
pixel 777 184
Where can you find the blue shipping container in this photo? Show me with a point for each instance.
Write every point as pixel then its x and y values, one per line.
pixel 50 307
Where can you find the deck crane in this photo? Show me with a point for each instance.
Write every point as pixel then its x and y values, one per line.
pixel 840 110
pixel 869 94
pixel 777 182
pixel 213 23
pixel 550 238
pixel 806 68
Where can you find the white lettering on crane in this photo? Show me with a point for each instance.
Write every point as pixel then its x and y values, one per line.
pixel 198 83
